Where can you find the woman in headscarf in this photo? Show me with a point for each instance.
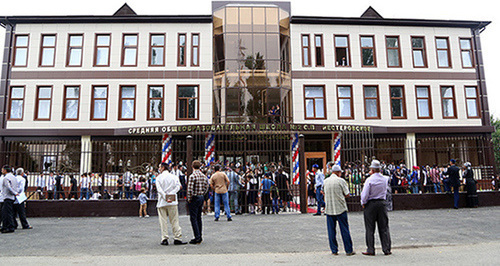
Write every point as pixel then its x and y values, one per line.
pixel 470 186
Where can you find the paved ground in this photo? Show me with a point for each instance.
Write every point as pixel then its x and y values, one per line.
pixel 431 237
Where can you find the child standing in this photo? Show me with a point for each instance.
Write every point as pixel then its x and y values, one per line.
pixel 143 200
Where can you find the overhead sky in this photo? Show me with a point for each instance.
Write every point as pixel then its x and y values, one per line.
pixel 484 10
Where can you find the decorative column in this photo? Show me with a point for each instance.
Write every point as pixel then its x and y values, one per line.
pixel 411 150
pixel 336 147
pixel 303 181
pixel 86 155
pixel 166 152
pixel 295 159
pixel 209 149
pixel 189 155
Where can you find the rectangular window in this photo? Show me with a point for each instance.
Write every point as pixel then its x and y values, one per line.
pixel 314 98
pixel 99 108
pixel 424 107
pixel 418 51
pixel 393 51
pixel 443 52
pixel 102 49
pixel 318 45
pixel 195 49
pixel 43 103
pixel 448 102
pixel 472 102
pixel 466 52
pixel 21 50
pixel 75 48
pixel 157 50
pixel 398 104
pixel 368 51
pixel 48 50
pixel 187 102
pixel 129 50
pixel 126 110
pixel 181 50
pixel 16 103
pixel 342 51
pixel 155 102
pixel 306 52
pixel 344 102
pixel 71 102
pixel 372 102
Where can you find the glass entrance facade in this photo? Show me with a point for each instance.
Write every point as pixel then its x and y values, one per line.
pixel 252 82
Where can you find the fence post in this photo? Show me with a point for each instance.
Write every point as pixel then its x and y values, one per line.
pixel 302 173
pixel 189 155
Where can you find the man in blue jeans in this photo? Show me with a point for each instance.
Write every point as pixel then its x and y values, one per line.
pixel 219 183
pixel 336 190
pixel 319 178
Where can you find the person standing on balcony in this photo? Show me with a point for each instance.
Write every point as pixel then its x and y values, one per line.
pixel 373 199
pixel 319 179
pixel 453 173
pixel 168 185
pixel 336 191
pixel 84 186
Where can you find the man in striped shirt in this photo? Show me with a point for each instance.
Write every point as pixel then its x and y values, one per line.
pixel 196 189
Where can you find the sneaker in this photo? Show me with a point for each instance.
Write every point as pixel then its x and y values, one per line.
pixel 164 242
pixel 216 219
pixel 316 214
pixel 147 216
pixel 229 219
pixel 195 241
pixel 350 254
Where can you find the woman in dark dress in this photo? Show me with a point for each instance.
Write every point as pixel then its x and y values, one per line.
pixel 470 186
pixel 252 190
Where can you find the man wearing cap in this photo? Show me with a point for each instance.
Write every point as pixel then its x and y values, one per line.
pixel 336 191
pixel 375 211
pixel 319 179
pixel 453 173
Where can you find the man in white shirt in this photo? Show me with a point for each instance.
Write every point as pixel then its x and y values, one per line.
pixel 40 185
pixel 84 186
pixel 168 185
pixel 50 186
pixel 336 190
pixel 19 208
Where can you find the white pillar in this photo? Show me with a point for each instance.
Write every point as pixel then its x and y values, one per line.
pixel 86 155
pixel 411 150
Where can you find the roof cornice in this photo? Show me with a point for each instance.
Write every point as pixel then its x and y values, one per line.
pixel 108 19
pixel 389 22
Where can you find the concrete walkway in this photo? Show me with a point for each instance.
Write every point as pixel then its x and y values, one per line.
pixel 430 237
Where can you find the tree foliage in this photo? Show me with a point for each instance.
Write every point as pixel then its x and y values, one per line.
pixel 496 140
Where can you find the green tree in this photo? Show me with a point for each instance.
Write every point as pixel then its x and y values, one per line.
pixel 496 140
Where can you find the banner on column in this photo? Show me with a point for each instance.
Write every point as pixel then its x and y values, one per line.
pixel 295 158
pixel 209 149
pixel 336 147
pixel 166 151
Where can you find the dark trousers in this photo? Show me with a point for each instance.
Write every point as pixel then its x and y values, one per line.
pixel 60 193
pixel 266 203
pixel 20 211
pixel 331 223
pixel 73 194
pixel 195 209
pixel 376 212
pixel 319 199
pixel 456 196
pixel 50 194
pixel 8 215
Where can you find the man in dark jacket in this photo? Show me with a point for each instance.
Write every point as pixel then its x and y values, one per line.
pixel 73 192
pixel 453 172
pixel 59 187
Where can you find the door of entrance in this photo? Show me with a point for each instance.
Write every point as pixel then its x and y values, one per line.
pixel 318 158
